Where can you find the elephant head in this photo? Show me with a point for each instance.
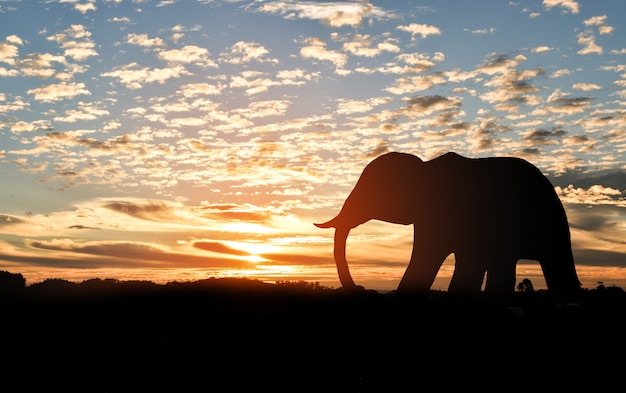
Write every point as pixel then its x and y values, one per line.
pixel 383 192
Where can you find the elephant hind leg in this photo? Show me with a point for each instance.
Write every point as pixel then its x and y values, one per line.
pixel 501 278
pixel 561 277
pixel 468 276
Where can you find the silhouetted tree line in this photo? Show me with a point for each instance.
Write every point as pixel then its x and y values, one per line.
pixel 13 285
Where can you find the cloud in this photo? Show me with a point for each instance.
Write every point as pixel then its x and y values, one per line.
pixel 419 29
pixel 254 82
pixel 560 73
pixel 593 195
pixel 588 40
pixel 120 19
pixel 86 111
pixel 348 106
pixel 499 63
pixel 333 14
pixel 220 248
pixel 129 254
pixel 36 125
pixel 202 88
pixel 424 105
pixel 264 108
pixel 39 65
pixel 362 45
pixel 414 84
pixel 244 52
pixel 489 30
pixel 541 49
pixel 134 76
pixel 9 50
pixel 562 103
pixel 296 76
pixel 76 42
pixel 542 137
pixel 84 7
pixel 600 22
pixel 143 40
pixel 81 227
pixel 145 210
pixel 586 86
pixel 233 212
pixel 188 54
pixel 6 220
pixel 57 92
pixel 587 178
pixel 511 87
pixel 316 49
pixel 570 6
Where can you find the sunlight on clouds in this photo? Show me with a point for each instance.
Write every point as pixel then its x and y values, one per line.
pixel 594 195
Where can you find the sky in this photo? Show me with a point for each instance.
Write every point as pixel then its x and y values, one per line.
pixel 180 140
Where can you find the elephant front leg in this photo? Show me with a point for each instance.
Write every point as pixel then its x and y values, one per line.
pixel 421 272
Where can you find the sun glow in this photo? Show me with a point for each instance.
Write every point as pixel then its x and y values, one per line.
pixel 246 227
pixel 254 248
pixel 254 258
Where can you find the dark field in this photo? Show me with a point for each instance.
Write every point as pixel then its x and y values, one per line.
pixel 241 335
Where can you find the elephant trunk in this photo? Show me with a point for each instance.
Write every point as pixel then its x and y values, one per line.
pixel 341 236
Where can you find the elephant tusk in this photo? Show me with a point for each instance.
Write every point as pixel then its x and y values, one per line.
pixel 328 224
pixel 341 235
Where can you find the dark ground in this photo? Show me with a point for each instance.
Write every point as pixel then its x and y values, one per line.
pixel 241 335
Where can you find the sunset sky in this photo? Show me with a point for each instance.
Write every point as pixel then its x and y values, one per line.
pixel 179 140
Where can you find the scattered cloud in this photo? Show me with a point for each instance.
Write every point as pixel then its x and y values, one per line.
pixel 600 23
pixel 59 91
pixel 588 41
pixel 568 6
pixel 315 49
pixel 420 29
pixel 245 52
pixel 586 86
pixel 76 42
pixel 143 40
pixel 333 14
pixel 134 76
pixel 541 49
pixel 188 54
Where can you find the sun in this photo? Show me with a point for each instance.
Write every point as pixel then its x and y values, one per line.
pixel 254 249
pixel 254 258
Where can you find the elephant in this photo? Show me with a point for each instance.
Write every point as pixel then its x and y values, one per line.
pixel 488 212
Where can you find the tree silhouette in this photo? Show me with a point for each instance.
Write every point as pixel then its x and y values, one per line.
pixel 11 282
pixel 525 286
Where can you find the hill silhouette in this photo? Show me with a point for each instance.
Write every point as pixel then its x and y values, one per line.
pixel 106 335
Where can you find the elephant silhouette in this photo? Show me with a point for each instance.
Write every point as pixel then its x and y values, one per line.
pixel 490 212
